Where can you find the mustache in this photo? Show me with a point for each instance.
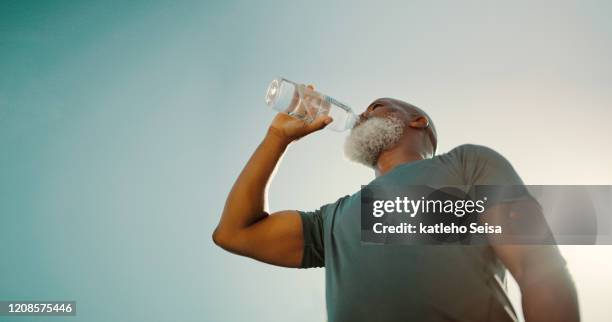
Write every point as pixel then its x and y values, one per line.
pixel 363 120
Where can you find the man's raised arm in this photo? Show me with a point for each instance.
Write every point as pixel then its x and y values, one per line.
pixel 245 227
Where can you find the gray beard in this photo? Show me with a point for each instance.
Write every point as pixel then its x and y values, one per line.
pixel 369 139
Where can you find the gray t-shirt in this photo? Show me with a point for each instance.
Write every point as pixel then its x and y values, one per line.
pixel 410 283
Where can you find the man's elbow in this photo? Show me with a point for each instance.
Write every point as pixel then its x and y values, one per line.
pixel 226 240
pixel 220 238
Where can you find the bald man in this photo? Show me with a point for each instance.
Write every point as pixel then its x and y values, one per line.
pixel 394 282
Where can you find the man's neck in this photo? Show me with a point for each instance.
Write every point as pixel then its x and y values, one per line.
pixel 394 157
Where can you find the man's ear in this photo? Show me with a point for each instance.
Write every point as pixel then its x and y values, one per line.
pixel 420 122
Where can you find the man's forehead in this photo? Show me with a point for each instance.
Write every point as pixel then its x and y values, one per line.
pixel 394 103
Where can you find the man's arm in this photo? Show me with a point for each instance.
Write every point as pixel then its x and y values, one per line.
pixel 245 227
pixel 547 289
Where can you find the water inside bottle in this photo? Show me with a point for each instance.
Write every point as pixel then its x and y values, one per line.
pixel 300 102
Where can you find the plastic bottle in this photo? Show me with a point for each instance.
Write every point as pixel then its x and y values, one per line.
pixel 306 104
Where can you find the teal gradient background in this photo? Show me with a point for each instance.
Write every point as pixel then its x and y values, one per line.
pixel 124 123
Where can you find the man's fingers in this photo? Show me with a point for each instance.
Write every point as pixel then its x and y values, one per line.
pixel 319 123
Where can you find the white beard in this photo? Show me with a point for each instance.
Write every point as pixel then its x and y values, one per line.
pixel 369 139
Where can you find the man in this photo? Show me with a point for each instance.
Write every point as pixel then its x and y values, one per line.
pixel 394 282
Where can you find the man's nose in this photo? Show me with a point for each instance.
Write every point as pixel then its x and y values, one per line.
pixel 366 113
pixel 363 116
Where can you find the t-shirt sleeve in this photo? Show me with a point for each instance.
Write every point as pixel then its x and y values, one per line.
pixel 491 174
pixel 312 228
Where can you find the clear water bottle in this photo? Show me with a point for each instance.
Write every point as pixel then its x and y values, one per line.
pixel 306 104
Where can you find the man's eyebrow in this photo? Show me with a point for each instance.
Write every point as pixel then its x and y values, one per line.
pixel 377 102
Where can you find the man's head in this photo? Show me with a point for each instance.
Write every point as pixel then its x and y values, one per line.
pixel 387 124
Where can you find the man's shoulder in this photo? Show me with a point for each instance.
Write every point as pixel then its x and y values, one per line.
pixel 484 165
pixel 472 148
pixel 333 205
pixel 470 152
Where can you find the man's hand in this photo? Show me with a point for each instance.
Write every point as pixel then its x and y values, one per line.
pixel 289 129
